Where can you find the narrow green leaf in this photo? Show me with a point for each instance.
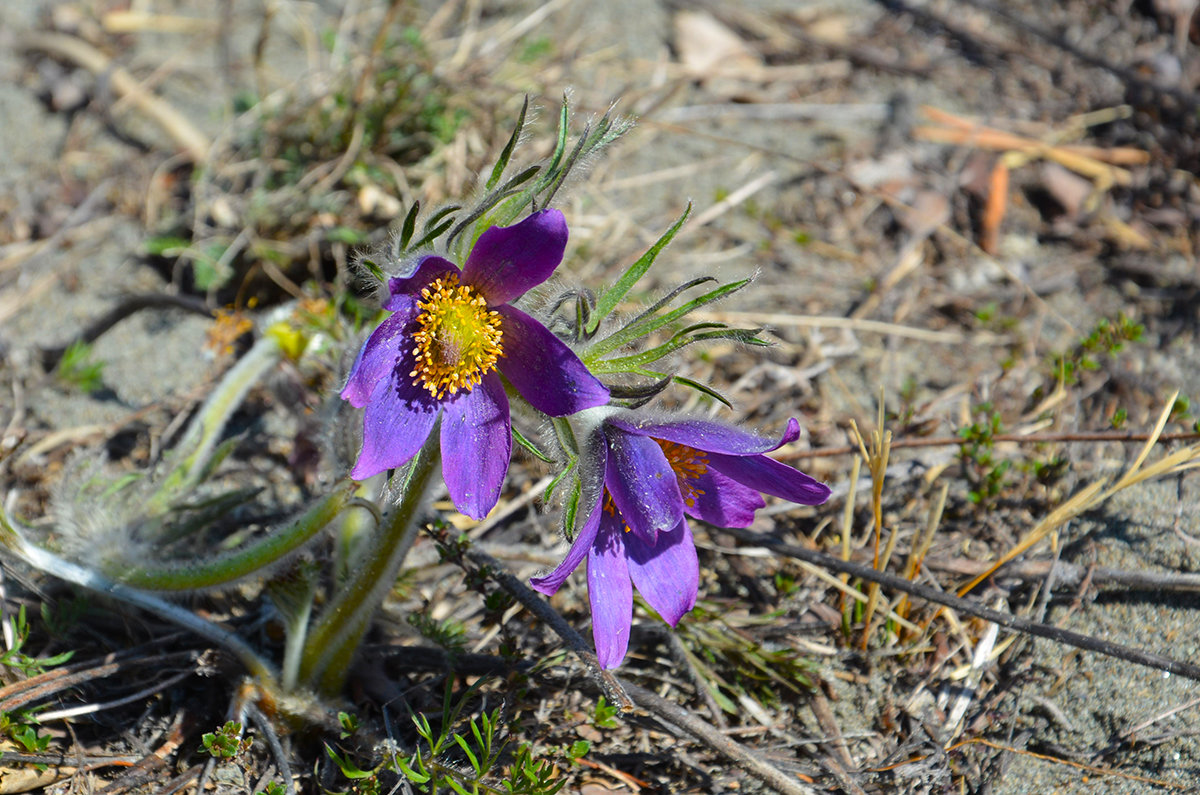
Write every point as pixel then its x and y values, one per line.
pixel 433 234
pixel 533 449
pixel 478 734
pixel 614 295
pixel 222 451
pixel 571 510
pixel 437 217
pixel 348 768
pixel 648 322
pixel 652 310
pixel 518 180
pixel 488 202
pixel 465 746
pixel 704 389
pixel 642 393
pixel 373 269
pixel 558 479
pixel 506 154
pixel 165 246
pixel 412 775
pixel 410 226
pixel 57 659
pixel 560 146
pixel 556 179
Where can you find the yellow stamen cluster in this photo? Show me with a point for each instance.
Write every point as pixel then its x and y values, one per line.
pixel 228 326
pixel 458 338
pixel 688 464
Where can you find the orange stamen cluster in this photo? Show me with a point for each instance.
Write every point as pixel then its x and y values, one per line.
pixel 688 464
pixel 458 338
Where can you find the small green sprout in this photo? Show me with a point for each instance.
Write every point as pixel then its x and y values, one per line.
pixel 79 369
pixel 604 716
pixel 17 660
pixel 226 742
pixel 349 723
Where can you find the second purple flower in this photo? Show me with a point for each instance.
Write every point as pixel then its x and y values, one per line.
pixel 648 477
pixel 451 336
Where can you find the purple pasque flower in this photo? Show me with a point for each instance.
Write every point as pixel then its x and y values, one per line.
pixel 650 475
pixel 441 353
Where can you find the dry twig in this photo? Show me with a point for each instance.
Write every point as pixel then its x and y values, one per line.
pixel 887 580
pixel 648 700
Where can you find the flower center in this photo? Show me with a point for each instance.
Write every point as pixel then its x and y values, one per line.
pixel 688 464
pixel 458 338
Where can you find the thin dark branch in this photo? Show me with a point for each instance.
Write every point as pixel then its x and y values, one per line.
pixel 35 688
pixel 542 609
pixel 620 690
pixel 127 306
pixel 1030 438
pixel 1066 637
pixel 263 724
pixel 704 732
pixel 1070 575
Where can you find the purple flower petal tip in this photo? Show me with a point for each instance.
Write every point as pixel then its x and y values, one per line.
pixel 508 261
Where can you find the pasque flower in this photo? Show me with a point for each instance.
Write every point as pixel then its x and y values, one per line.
pixel 451 336
pixel 654 474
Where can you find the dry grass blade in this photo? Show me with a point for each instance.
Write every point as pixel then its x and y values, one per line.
pixel 1037 629
pixel 42 686
pixel 1090 161
pixel 1102 771
pixel 1095 494
pixel 176 125
pixel 1079 502
pixel 876 458
pixel 619 692
pixel 993 212
pixel 853 324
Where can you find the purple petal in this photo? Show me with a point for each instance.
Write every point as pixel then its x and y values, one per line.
pixel 509 260
pixel 427 269
pixel 476 446
pixel 543 369
pixel 720 501
pixel 771 477
pixel 667 575
pixel 550 583
pixel 711 436
pixel 610 593
pixel 377 358
pixel 397 421
pixel 643 485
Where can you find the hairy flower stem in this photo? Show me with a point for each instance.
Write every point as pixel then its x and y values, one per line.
pixel 204 430
pixel 250 559
pixel 333 640
pixel 259 668
pixel 293 646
